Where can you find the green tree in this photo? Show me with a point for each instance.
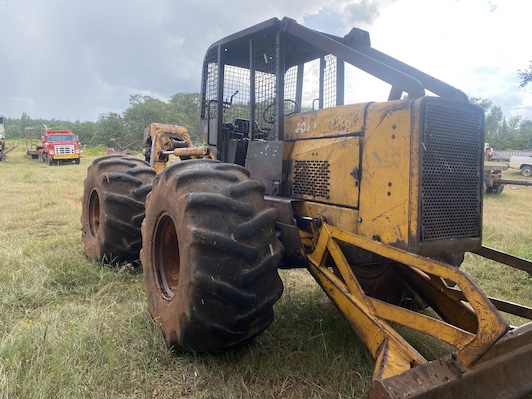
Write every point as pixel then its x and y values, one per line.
pixel 143 110
pixel 494 124
pixel 187 106
pixel 110 127
pixel 13 131
pixel 525 75
pixel 84 130
pixel 182 110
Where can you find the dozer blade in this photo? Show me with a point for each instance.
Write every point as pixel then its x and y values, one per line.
pixel 507 375
pixel 491 359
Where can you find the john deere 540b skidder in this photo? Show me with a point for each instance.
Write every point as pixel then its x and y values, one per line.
pixel 378 200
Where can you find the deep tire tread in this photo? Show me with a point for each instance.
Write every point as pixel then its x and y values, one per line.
pixel 228 279
pixel 221 242
pixel 218 201
pixel 122 183
pixel 254 226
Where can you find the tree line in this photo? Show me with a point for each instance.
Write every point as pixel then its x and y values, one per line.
pixel 513 133
pixel 127 128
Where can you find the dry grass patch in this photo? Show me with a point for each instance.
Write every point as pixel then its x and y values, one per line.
pixel 73 329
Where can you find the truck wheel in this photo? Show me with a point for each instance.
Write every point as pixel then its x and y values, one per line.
pixel 209 256
pixel 526 170
pixel 498 188
pixel 113 207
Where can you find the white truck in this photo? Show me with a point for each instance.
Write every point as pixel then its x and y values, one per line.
pixel 524 164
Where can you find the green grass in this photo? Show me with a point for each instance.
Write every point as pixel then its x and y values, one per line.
pixel 73 329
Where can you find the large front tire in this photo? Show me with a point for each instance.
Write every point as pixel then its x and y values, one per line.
pixel 113 208
pixel 210 256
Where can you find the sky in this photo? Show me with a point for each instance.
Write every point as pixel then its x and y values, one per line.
pixel 77 59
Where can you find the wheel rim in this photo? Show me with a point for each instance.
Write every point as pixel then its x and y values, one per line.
pixel 166 253
pixel 94 213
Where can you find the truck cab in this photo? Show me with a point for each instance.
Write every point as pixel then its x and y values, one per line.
pixel 60 146
pixel 524 164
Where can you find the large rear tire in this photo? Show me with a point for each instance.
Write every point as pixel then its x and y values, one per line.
pixel 210 256
pixel 113 208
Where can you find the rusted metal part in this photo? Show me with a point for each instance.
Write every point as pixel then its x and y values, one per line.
pixel 507 375
pixel 491 326
pixel 516 182
pixel 441 298
pixel 489 361
pixel 504 306
pixel 5 150
pixel 288 231
pixel 504 258
pixel 191 152
pixel 512 308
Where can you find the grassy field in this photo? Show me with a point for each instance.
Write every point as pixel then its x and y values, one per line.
pixel 73 329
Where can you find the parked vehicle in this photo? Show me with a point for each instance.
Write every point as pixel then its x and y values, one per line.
pixel 53 146
pixel 494 182
pixel 524 164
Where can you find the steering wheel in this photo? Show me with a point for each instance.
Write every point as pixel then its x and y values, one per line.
pixel 269 113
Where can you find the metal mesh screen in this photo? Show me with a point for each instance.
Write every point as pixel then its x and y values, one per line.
pixel 241 101
pixel 450 192
pixel 265 65
pixel 210 79
pixel 290 86
pixel 329 81
pixel 236 93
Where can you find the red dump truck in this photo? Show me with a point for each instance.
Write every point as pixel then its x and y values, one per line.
pixel 55 146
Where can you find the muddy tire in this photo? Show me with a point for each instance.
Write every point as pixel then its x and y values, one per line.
pixel 113 208
pixel 210 256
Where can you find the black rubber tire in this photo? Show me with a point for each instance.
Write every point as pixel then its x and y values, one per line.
pixel 499 189
pixel 526 171
pixel 113 208
pixel 210 256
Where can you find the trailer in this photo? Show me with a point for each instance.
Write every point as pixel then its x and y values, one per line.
pixel 494 183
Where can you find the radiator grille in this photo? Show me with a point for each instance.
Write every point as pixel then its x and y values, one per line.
pixel 311 178
pixel 64 149
pixel 451 198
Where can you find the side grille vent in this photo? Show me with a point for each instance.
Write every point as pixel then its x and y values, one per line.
pixel 311 178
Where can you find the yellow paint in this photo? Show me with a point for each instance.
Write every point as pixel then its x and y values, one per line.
pixel 325 170
pixel 328 122
pixel 161 136
pixel 370 317
pixel 385 191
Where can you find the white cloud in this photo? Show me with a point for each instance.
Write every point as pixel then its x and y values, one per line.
pixel 76 60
